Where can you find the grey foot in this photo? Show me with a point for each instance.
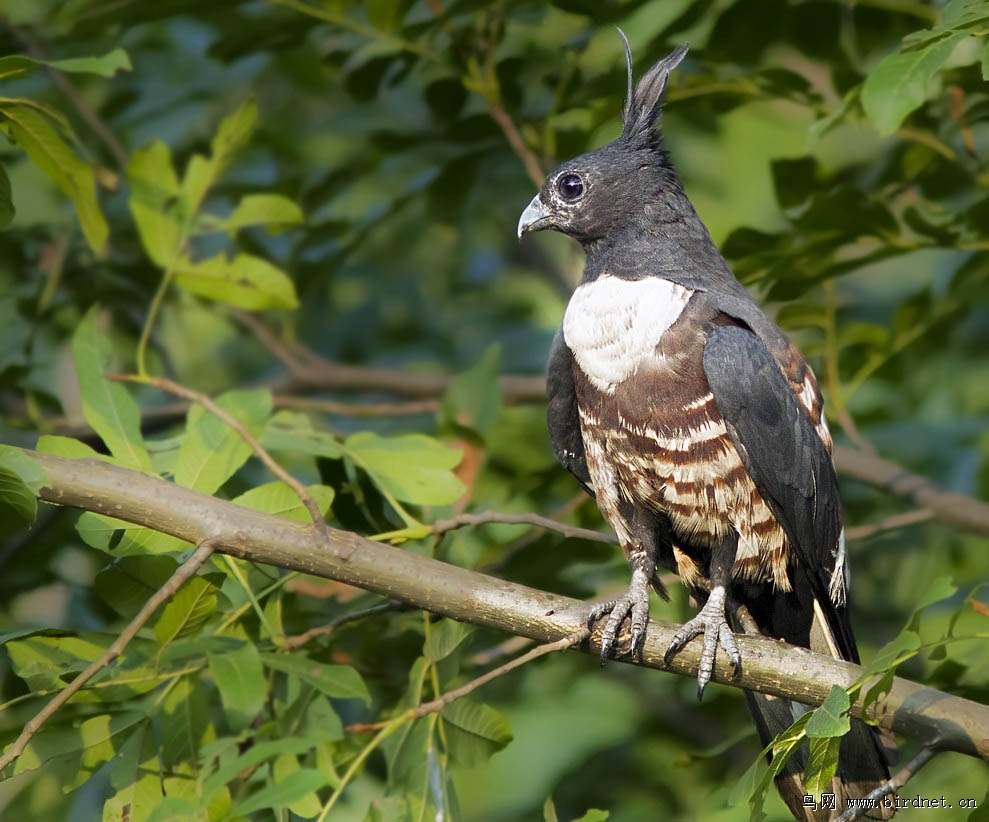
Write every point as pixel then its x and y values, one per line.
pixel 634 603
pixel 711 623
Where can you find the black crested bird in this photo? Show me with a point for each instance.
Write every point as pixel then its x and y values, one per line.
pixel 698 427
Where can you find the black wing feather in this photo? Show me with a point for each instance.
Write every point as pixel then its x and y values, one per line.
pixel 561 412
pixel 783 454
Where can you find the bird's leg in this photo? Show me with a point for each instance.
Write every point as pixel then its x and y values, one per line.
pixel 710 620
pixel 634 603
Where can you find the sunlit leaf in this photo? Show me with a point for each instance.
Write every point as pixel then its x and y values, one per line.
pixel 187 611
pixel 831 718
pixel 154 202
pixel 278 498
pixel 35 133
pixel 244 281
pixel 212 451
pixel 274 211
pixel 414 468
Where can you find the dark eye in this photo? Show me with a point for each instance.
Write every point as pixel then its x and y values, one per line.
pixel 570 186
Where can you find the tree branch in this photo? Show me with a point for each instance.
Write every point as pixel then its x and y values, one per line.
pixel 769 666
pixel 950 507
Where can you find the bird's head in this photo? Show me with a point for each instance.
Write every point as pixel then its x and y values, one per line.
pixel 625 183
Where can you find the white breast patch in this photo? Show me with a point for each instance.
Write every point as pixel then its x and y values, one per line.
pixel 611 324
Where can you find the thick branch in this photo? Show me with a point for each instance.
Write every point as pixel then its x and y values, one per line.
pixel 955 509
pixel 768 666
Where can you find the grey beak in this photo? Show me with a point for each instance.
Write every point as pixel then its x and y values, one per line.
pixel 535 217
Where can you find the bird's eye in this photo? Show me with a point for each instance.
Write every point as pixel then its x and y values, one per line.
pixel 570 186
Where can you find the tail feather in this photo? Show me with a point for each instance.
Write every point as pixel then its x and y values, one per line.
pixel 862 758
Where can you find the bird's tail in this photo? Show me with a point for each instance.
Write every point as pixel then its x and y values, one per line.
pixel 862 758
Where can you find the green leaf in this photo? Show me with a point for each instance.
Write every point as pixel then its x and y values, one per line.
pixel 212 451
pixel 153 202
pixel 109 409
pixel 124 539
pixel 134 779
pixel 201 173
pixel 338 681
pixel 594 815
pixel 270 210
pixel 831 718
pixel 7 210
pixel 126 584
pixel 413 468
pixel 898 84
pixel 285 792
pixel 822 763
pixel 285 766
pixel 21 477
pixel 240 679
pixel 444 639
pixel 985 76
pixel 185 723
pixel 175 809
pixel 69 447
pixel 278 498
pixel 94 736
pixel 255 755
pixel 293 431
pixel 549 811
pixel 43 661
pixel 33 131
pixel 244 281
pixel 474 731
pixel 187 611
pixel 105 66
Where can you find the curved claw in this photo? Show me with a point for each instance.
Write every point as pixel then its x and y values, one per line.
pixel 634 603
pixel 711 623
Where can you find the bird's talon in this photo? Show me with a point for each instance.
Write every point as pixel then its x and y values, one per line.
pixel 634 604
pixel 710 623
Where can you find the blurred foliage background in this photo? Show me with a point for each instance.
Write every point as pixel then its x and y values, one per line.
pixel 836 150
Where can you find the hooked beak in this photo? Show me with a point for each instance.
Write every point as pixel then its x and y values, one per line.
pixel 535 217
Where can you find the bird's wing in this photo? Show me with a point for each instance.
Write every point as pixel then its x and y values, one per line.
pixel 784 455
pixel 562 414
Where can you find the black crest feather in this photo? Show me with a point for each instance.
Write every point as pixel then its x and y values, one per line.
pixel 642 104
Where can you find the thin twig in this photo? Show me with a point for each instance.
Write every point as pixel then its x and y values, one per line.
pixel 290 643
pixel 436 705
pixel 207 402
pixel 889 523
pixel 268 339
pixel 510 646
pixel 186 570
pixel 873 799
pixel 515 140
pixel 488 517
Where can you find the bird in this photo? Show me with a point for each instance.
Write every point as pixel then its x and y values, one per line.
pixel 698 427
